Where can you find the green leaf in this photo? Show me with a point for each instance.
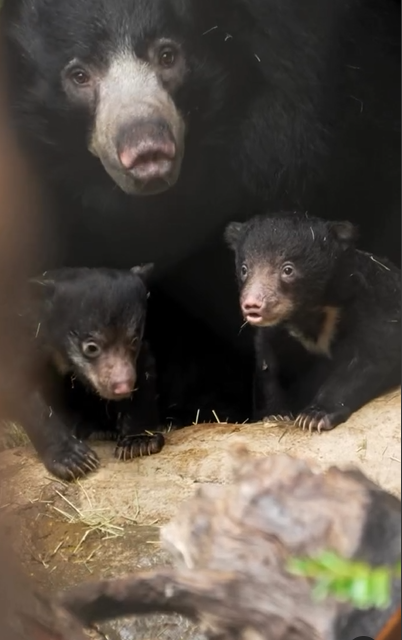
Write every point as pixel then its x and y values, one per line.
pixel 380 586
pixel 347 581
pixel 322 589
pixel 360 594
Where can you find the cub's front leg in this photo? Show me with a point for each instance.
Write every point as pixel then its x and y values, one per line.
pixel 353 379
pixel 63 455
pixel 139 416
pixel 270 401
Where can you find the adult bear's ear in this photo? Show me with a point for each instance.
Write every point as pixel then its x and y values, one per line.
pixel 144 271
pixel 232 234
pixel 345 232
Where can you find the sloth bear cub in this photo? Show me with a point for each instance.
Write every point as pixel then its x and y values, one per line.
pixel 327 318
pixel 93 373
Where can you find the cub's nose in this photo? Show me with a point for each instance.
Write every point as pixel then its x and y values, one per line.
pixel 124 387
pixel 252 304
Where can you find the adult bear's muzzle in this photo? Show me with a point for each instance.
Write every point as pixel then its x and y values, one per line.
pixel 147 151
pixel 138 133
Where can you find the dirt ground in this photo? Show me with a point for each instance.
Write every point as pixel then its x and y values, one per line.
pixel 108 524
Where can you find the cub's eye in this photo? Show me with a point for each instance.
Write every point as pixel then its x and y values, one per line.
pixel 288 271
pixel 167 57
pixel 79 76
pixel 91 349
pixel 244 271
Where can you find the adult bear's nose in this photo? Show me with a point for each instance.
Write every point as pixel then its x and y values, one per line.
pixel 147 150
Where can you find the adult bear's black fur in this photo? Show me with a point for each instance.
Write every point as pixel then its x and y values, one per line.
pixel 271 103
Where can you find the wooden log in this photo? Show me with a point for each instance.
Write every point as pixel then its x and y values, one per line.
pixel 231 545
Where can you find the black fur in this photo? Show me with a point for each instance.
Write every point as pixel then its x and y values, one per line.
pixel 298 275
pixel 70 308
pixel 286 104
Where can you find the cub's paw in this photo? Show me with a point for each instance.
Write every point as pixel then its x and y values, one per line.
pixel 138 446
pixel 284 416
pixel 317 419
pixel 103 436
pixel 71 460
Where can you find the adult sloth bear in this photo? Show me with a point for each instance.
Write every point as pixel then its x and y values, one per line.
pixel 155 122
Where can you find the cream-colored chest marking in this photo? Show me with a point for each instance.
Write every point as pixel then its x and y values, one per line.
pixel 322 345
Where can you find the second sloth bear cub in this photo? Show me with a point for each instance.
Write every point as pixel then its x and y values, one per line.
pixel 327 318
pixel 96 374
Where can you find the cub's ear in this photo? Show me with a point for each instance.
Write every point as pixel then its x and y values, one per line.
pixel 144 271
pixel 345 232
pixel 232 234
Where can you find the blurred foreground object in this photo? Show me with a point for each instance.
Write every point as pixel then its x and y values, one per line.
pixel 232 545
pixel 23 614
pixel 20 233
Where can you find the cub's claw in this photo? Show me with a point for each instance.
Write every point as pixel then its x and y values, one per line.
pixel 285 417
pixel 103 436
pixel 314 419
pixel 137 446
pixel 72 460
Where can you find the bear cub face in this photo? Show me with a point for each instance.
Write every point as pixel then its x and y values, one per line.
pixel 288 265
pixel 92 324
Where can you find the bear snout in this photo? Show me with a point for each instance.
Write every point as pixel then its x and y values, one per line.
pixel 147 150
pixel 138 133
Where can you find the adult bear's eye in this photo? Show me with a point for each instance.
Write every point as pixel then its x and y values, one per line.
pixel 79 76
pixel 167 57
